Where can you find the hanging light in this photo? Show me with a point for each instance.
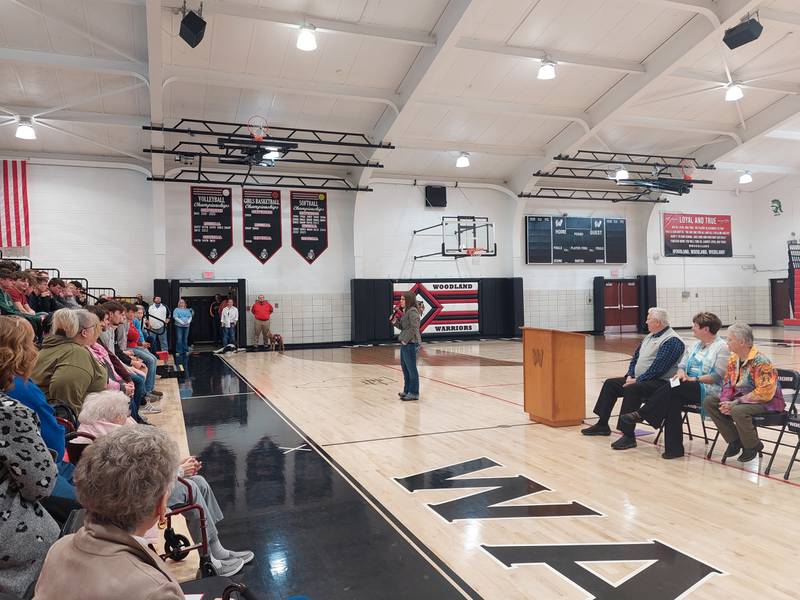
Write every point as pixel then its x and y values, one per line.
pixel 25 130
pixel 622 173
pixel 462 161
pixel 547 70
pixel 272 153
pixel 306 40
pixel 733 92
pixel 746 177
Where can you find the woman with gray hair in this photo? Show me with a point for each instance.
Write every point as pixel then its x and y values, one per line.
pixel 109 557
pixel 108 411
pixel 750 387
pixel 65 369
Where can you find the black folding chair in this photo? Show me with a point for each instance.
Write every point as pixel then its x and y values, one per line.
pixel 789 380
pixel 793 425
pixel 686 409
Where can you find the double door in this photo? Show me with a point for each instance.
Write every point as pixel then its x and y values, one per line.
pixel 620 305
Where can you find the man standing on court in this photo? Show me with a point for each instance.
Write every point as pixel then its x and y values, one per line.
pixel 653 364
pixel 229 320
pixel 158 319
pixel 262 311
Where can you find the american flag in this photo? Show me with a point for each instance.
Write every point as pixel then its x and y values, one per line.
pixel 14 226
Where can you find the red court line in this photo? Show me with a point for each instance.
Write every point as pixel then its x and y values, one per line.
pixel 460 387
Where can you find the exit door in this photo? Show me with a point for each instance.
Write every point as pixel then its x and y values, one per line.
pixel 620 305
pixel 779 296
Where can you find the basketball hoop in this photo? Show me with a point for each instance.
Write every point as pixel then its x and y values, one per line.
pixel 475 254
pixel 687 170
pixel 257 125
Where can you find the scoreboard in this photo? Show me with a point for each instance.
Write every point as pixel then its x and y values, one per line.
pixel 575 240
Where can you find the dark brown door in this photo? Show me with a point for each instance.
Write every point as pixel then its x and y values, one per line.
pixel 629 290
pixel 779 295
pixel 612 306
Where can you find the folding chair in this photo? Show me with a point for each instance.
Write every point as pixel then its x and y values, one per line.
pixel 686 409
pixel 789 380
pixel 793 425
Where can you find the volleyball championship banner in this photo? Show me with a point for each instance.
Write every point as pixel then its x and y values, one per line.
pixel 697 235
pixel 212 221
pixel 261 222
pixel 448 307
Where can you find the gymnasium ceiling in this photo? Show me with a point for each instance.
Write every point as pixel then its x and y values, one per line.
pixel 433 77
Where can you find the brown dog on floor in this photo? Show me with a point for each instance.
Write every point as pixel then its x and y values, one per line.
pixel 276 341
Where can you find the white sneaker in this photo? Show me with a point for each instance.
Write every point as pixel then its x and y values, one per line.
pixel 220 351
pixel 227 567
pixel 149 409
pixel 244 555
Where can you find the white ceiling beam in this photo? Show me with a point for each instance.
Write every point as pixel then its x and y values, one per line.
pixel 82 63
pixel 777 16
pixel 175 74
pixel 92 118
pixel 411 143
pixel 781 134
pixel 94 142
pixel 497 107
pixel 71 160
pixel 768 85
pixel 756 168
pixel 296 19
pixel 679 125
pixel 561 57
pixel 76 30
pixel 707 8
pixel 688 43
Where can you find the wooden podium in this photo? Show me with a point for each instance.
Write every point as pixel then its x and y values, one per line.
pixel 554 373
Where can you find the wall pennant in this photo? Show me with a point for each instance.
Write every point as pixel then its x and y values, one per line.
pixel 261 222
pixel 212 221
pixel 309 223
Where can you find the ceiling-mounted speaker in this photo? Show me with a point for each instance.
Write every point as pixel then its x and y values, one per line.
pixel 193 28
pixel 435 196
pixel 744 33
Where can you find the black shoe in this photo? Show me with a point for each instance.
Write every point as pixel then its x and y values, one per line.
pixel 750 453
pixel 671 455
pixel 408 397
pixel 597 429
pixel 401 394
pixel 632 417
pixel 733 449
pixel 624 443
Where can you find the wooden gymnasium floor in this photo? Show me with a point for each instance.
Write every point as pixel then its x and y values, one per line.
pixel 563 516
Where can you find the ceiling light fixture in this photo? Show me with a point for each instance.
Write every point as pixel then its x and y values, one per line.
pixel 733 92
pixel 462 161
pixel 306 40
pixel 746 177
pixel 547 70
pixel 272 153
pixel 622 173
pixel 25 130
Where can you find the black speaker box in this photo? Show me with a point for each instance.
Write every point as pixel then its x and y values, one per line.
pixel 435 195
pixel 742 34
pixel 193 28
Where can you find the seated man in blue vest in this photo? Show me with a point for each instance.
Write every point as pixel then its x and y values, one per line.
pixel 653 364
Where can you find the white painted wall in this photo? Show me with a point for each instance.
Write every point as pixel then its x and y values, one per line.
pixel 93 223
pixel 771 232
pixel 385 245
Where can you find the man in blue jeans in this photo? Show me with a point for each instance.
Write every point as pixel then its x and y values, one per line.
pixel 229 319
pixel 134 315
pixel 158 319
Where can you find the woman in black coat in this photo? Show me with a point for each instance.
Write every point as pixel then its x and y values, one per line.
pixel 410 340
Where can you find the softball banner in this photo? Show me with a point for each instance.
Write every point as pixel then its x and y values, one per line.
pixel 448 307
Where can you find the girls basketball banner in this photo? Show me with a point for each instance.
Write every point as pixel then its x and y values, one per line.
pixel 448 307
pixel 261 222
pixel 697 235
pixel 212 221
pixel 309 224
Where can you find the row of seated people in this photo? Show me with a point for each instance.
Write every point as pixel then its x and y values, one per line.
pixel 729 379
pixel 126 480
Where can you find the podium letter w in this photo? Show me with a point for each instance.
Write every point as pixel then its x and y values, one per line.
pixel 538 356
pixel 496 490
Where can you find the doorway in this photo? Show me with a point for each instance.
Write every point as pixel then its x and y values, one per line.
pixel 779 299
pixel 620 305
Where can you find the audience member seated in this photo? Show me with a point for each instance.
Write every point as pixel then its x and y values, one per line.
pixel 7 306
pixel 39 298
pixel 106 412
pixel 653 364
pixel 138 346
pixel 58 288
pixel 27 470
pixel 119 378
pixel 700 373
pixel 750 387
pixel 65 369
pixel 109 557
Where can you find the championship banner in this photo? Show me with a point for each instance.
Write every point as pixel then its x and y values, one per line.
pixel 212 221
pixel 697 235
pixel 309 223
pixel 261 222
pixel 448 307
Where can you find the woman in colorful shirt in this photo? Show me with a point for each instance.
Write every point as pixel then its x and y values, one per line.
pixel 750 387
pixel 700 373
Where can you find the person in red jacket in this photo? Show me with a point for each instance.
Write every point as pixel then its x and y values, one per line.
pixel 262 311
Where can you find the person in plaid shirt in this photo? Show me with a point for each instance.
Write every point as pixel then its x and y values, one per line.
pixel 750 387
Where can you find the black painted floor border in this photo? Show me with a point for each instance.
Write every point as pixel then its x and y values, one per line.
pixel 412 539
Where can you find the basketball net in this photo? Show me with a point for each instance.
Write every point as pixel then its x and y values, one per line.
pixel 687 169
pixel 257 125
pixel 475 254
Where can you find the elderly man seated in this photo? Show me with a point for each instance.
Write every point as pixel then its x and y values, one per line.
pixel 653 364
pixel 750 387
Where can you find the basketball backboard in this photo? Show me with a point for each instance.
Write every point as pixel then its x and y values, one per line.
pixel 463 235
